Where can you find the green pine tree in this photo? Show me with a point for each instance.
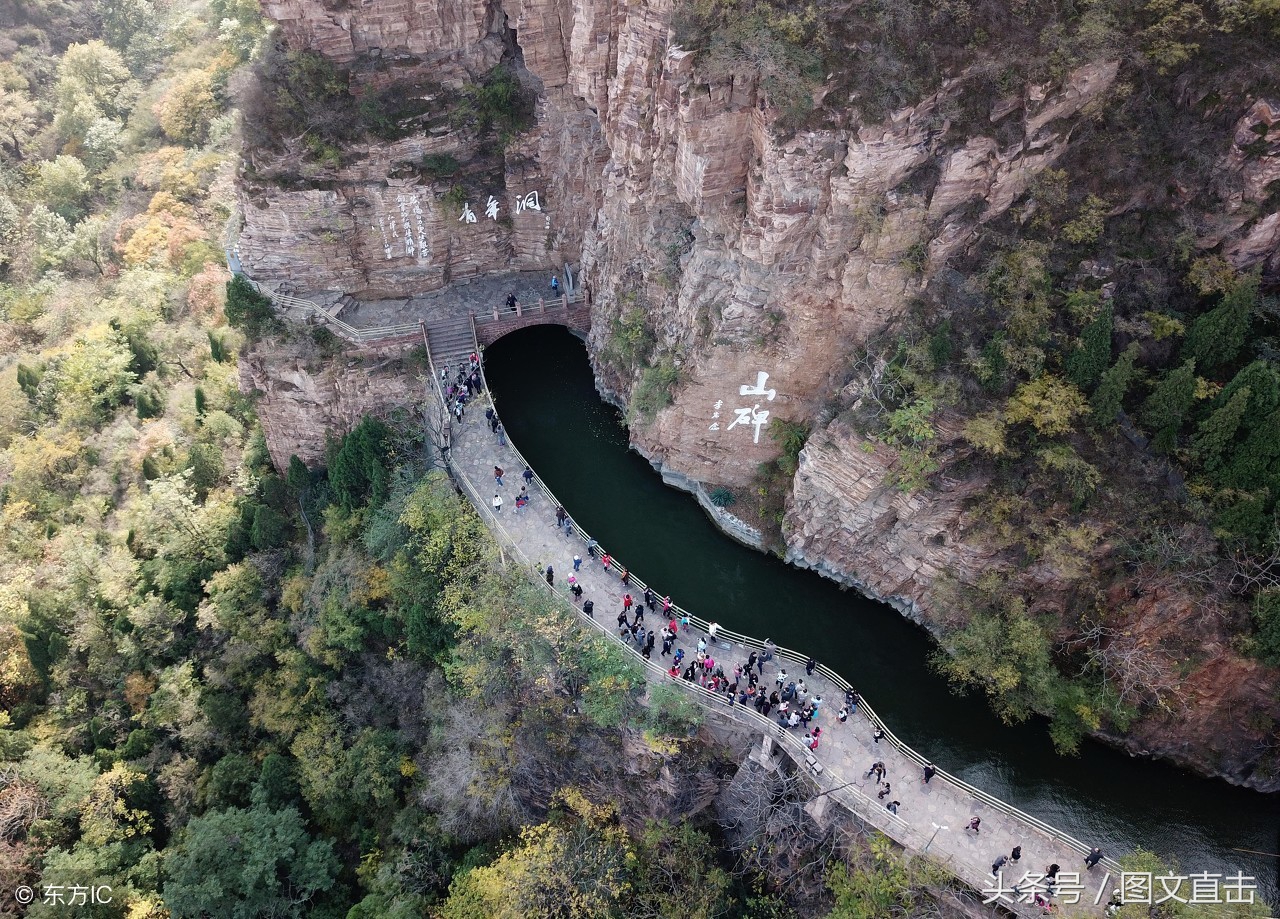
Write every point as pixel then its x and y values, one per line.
pixel 1108 398
pixel 1261 379
pixel 1090 359
pixel 357 471
pixel 269 529
pixel 1165 409
pixel 248 310
pixel 298 477
pixel 1215 339
pixel 1256 462
pixel 1219 429
pixel 29 381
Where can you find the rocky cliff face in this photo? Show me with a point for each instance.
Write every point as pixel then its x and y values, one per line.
pixel 306 397
pixel 760 263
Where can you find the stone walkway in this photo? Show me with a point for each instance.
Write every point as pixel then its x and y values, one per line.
pixel 477 295
pixel 932 816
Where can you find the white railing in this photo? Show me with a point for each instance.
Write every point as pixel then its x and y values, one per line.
pixel 717 704
pixel 364 336
pixel 543 307
pixel 796 659
pixel 349 332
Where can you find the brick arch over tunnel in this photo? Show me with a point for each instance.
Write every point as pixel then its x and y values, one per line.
pixel 572 313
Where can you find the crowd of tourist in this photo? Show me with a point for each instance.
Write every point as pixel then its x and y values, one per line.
pixel 708 664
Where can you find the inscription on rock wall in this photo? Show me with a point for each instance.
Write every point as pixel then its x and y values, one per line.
pixel 403 231
pixel 750 416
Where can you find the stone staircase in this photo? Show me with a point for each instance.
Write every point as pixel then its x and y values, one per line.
pixel 452 342
pixel 346 304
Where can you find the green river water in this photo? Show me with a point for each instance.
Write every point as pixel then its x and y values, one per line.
pixel 546 395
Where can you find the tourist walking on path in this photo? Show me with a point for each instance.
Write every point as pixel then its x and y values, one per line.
pixel 555 285
pixel 592 545
pixel 577 562
pixel 809 665
pixel 930 770
pixel 527 475
pixel 589 608
pixel 497 475
pixel 502 435
pixel 607 560
pixel 497 502
pixel 998 864
pixel 1016 854
pixel 511 301
pixel 560 515
pixel 551 576
pixel 975 824
pixel 1091 860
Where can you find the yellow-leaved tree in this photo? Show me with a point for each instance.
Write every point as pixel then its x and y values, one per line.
pixel 577 865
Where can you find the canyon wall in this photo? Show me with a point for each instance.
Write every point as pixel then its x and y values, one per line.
pixel 306 397
pixel 760 262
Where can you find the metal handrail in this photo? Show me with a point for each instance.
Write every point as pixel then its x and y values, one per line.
pixel 564 301
pixel 363 336
pixel 286 301
pixel 836 679
pixel 851 798
pixel 701 695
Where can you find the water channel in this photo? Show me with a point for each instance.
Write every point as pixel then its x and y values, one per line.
pixel 546 395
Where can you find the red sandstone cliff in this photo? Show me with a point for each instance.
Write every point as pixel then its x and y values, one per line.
pixel 748 254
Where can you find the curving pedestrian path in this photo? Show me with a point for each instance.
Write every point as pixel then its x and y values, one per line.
pixel 932 817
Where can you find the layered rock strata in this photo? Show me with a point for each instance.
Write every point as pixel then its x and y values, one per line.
pixel 759 263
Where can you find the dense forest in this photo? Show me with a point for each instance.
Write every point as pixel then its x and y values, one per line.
pixel 234 691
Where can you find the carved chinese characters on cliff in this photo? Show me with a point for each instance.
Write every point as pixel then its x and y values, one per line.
pixel 747 416
pixel 525 202
pixel 403 229
pixel 404 233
